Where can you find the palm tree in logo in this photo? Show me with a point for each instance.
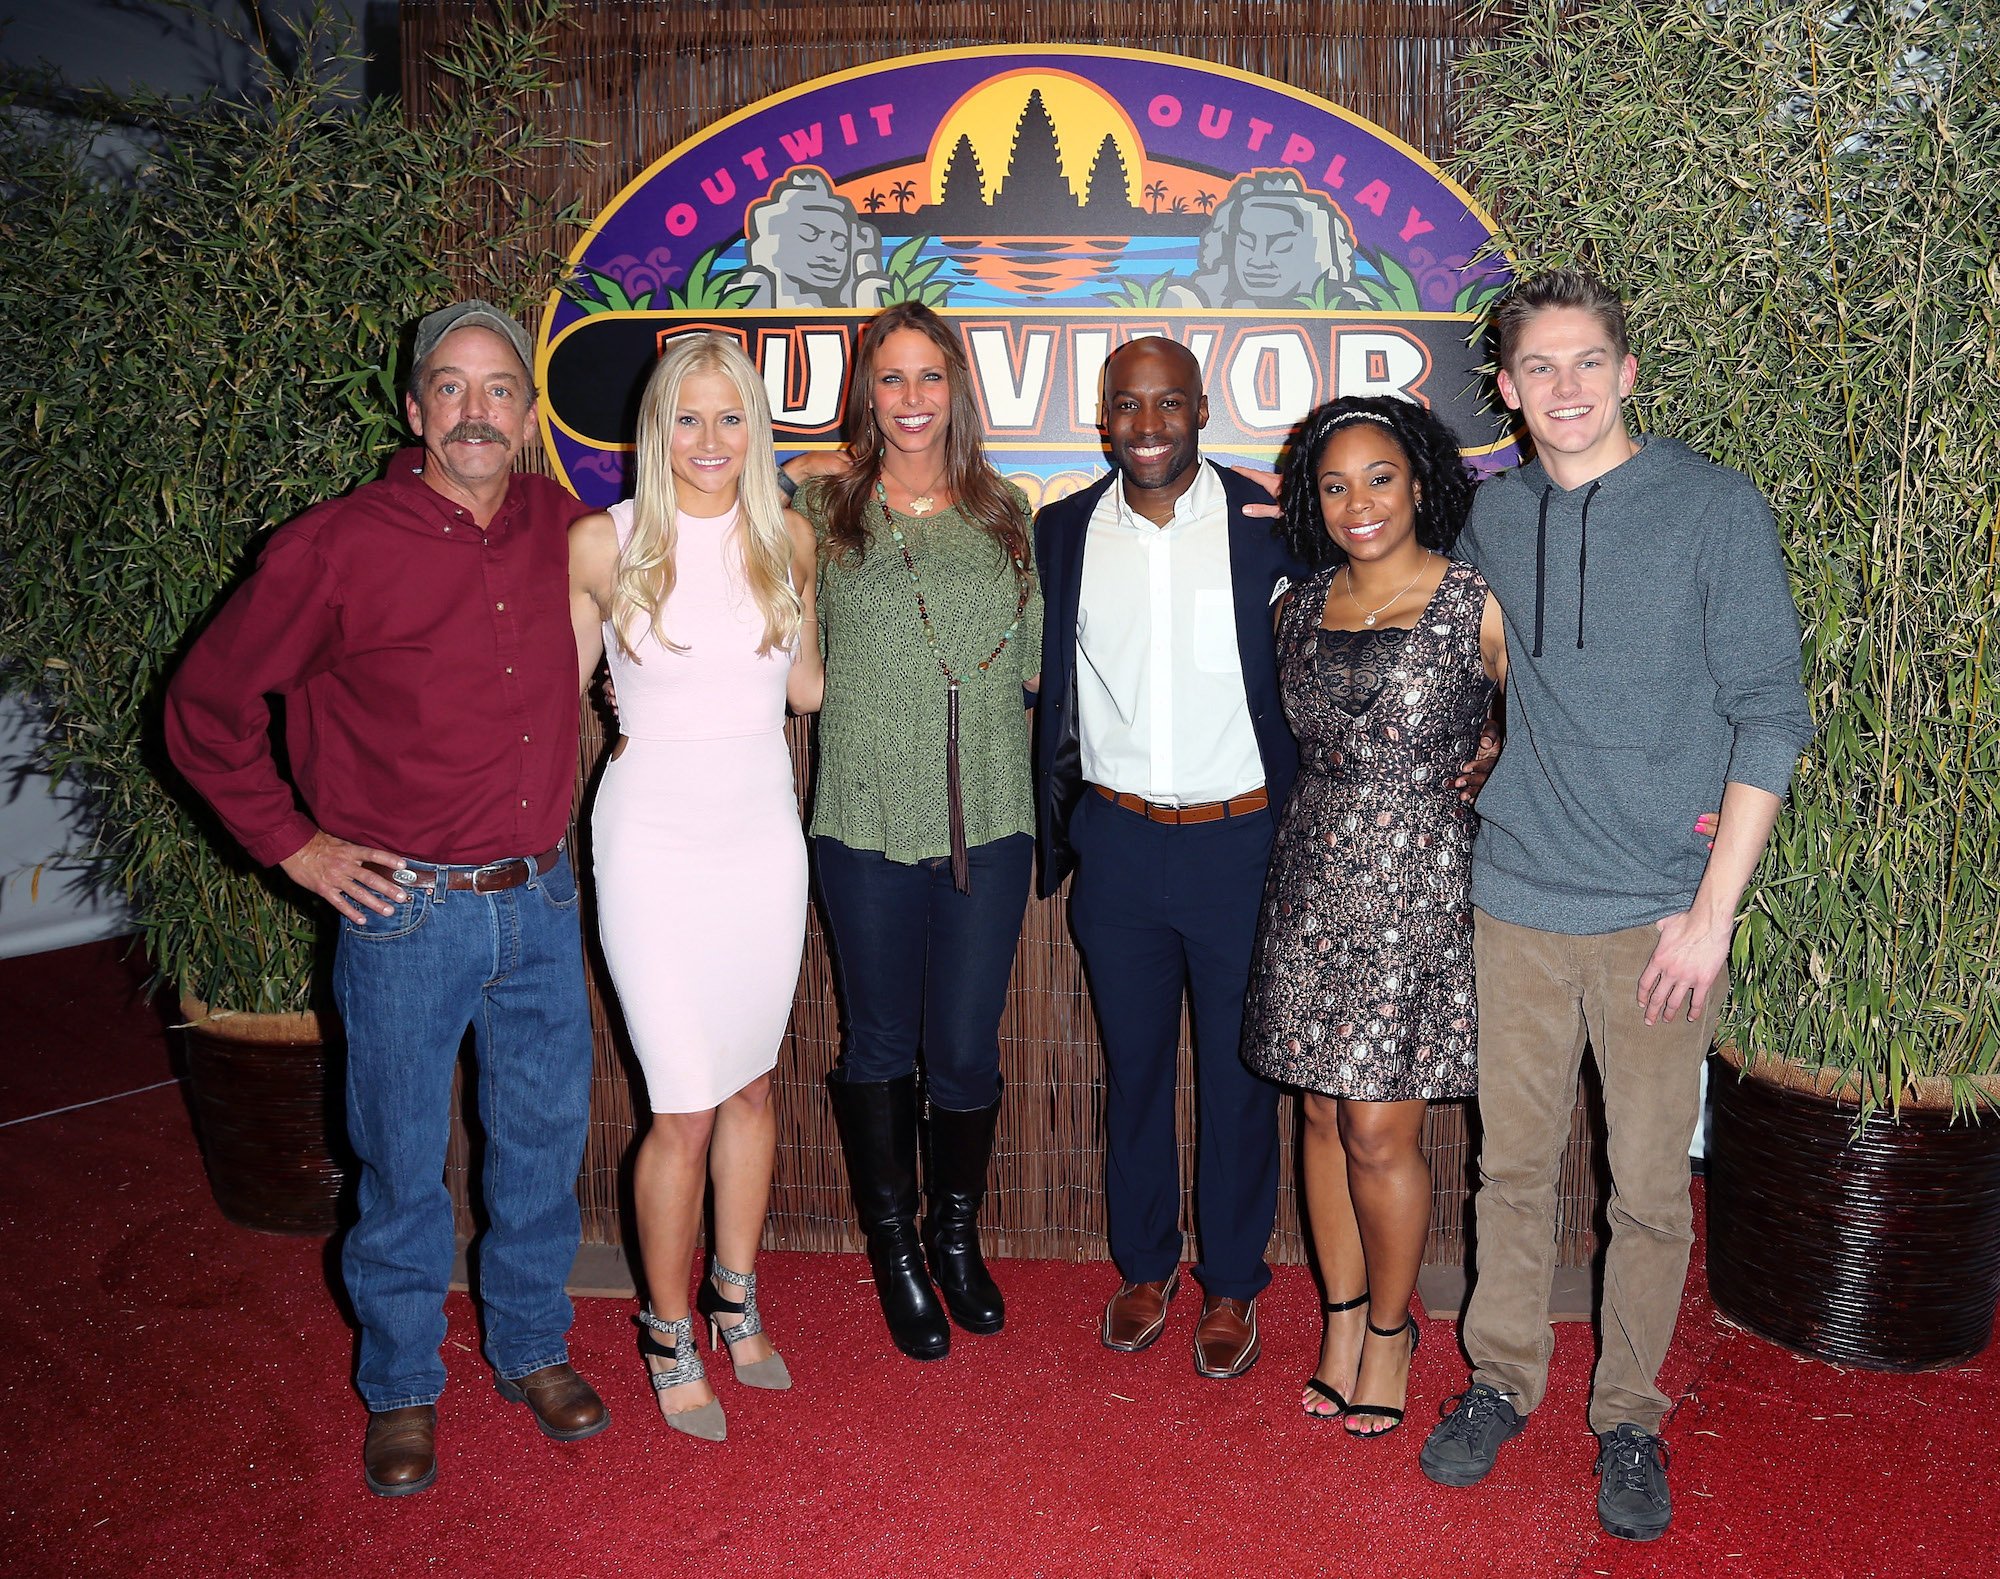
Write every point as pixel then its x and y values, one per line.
pixel 902 192
pixel 1205 201
pixel 1156 190
pixel 873 201
pixel 1179 206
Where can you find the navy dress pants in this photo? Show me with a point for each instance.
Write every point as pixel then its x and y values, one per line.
pixel 1159 908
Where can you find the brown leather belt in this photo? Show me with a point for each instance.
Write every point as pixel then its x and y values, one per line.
pixel 1206 811
pixel 491 878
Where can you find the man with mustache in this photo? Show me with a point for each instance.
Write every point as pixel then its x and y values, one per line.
pixel 418 633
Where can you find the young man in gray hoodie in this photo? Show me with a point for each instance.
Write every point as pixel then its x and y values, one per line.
pixel 1653 674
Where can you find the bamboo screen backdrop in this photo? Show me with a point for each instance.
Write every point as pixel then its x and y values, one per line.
pixel 636 79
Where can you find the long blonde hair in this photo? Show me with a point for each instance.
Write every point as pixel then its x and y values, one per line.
pixel 645 577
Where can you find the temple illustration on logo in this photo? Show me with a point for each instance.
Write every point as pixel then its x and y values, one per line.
pixel 1051 202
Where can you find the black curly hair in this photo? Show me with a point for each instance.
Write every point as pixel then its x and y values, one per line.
pixel 1435 466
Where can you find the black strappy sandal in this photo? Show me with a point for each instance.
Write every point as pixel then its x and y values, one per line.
pixel 1384 1411
pixel 1314 1384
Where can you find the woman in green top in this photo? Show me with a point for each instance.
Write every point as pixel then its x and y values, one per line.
pixel 923 814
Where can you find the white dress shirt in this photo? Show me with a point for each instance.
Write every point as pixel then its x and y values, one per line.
pixel 1161 710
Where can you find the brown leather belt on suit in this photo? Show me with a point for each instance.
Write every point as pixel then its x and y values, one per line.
pixel 1206 811
pixel 488 879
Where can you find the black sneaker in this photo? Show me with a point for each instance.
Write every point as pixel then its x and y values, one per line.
pixel 1632 1501
pixel 1465 1442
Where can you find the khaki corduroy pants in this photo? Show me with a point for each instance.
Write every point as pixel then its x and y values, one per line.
pixel 1542 995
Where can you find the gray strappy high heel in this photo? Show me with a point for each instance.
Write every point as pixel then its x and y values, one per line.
pixel 704 1424
pixel 770 1373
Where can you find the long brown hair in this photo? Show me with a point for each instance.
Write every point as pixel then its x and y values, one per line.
pixel 976 486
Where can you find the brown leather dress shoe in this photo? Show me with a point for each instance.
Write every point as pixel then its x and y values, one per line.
pixel 399 1457
pixel 1225 1338
pixel 566 1406
pixel 1137 1314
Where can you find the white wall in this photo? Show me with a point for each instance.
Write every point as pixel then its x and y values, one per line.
pixel 43 902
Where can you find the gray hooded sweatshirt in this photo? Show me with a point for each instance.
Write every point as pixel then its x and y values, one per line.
pixel 1652 656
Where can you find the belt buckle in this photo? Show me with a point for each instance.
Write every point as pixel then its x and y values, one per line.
pixel 497 869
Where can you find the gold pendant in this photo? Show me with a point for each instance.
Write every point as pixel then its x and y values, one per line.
pixel 923 505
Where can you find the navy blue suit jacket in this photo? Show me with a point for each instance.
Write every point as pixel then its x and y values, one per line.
pixel 1258 559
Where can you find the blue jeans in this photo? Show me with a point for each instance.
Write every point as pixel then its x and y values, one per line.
pixel 510 965
pixel 921 965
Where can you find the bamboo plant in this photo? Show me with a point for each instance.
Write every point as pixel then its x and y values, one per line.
pixel 1800 203
pixel 191 358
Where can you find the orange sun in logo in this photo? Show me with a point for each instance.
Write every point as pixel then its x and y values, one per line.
pixel 1083 114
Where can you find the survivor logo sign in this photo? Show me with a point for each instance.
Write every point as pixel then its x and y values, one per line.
pixel 1050 202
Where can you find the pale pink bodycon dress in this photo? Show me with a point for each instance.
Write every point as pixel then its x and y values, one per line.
pixel 696 843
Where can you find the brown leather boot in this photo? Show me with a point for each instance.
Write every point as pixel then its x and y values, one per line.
pixel 565 1406
pixel 399 1457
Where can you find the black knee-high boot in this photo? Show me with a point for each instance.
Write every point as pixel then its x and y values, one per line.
pixel 878 1131
pixel 961 1144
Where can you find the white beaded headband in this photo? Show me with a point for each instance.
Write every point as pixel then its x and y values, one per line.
pixel 1348 417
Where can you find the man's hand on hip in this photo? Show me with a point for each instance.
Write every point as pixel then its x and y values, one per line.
pixel 335 870
pixel 1686 961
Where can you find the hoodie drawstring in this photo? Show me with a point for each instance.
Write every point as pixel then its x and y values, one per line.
pixel 1582 557
pixel 1541 565
pixel 1542 562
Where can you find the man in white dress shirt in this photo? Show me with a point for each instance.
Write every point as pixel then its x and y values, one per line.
pixel 1162 761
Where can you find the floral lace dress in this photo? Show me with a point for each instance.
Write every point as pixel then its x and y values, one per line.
pixel 1361 985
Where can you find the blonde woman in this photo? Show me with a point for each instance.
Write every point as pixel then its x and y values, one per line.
pixel 697 590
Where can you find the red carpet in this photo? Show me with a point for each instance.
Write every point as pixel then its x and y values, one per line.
pixel 178 1403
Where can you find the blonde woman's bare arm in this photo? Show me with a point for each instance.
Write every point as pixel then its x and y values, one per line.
pixel 593 570
pixel 808 464
pixel 805 687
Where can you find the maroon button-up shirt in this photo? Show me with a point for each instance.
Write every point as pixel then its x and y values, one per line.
pixel 428 670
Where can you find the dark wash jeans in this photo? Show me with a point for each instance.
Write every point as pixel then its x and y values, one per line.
pixel 920 965
pixel 510 965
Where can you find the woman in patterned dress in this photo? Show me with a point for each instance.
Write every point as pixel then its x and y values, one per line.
pixel 1362 986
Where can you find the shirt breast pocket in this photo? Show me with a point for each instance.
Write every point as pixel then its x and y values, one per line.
pixel 1214 632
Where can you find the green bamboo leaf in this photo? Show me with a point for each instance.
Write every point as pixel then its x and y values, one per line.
pixel 339 229
pixel 1803 223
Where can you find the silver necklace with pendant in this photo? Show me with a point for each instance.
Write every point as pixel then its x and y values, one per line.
pixel 1368 615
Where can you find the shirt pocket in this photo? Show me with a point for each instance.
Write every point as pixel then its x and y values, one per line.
pixel 1214 632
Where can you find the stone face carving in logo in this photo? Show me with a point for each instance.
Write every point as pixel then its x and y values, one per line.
pixel 1050 202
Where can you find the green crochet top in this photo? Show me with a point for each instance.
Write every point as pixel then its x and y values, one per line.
pixel 881 782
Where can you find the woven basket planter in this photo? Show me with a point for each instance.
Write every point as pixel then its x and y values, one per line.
pixel 1877 1248
pixel 268 1108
